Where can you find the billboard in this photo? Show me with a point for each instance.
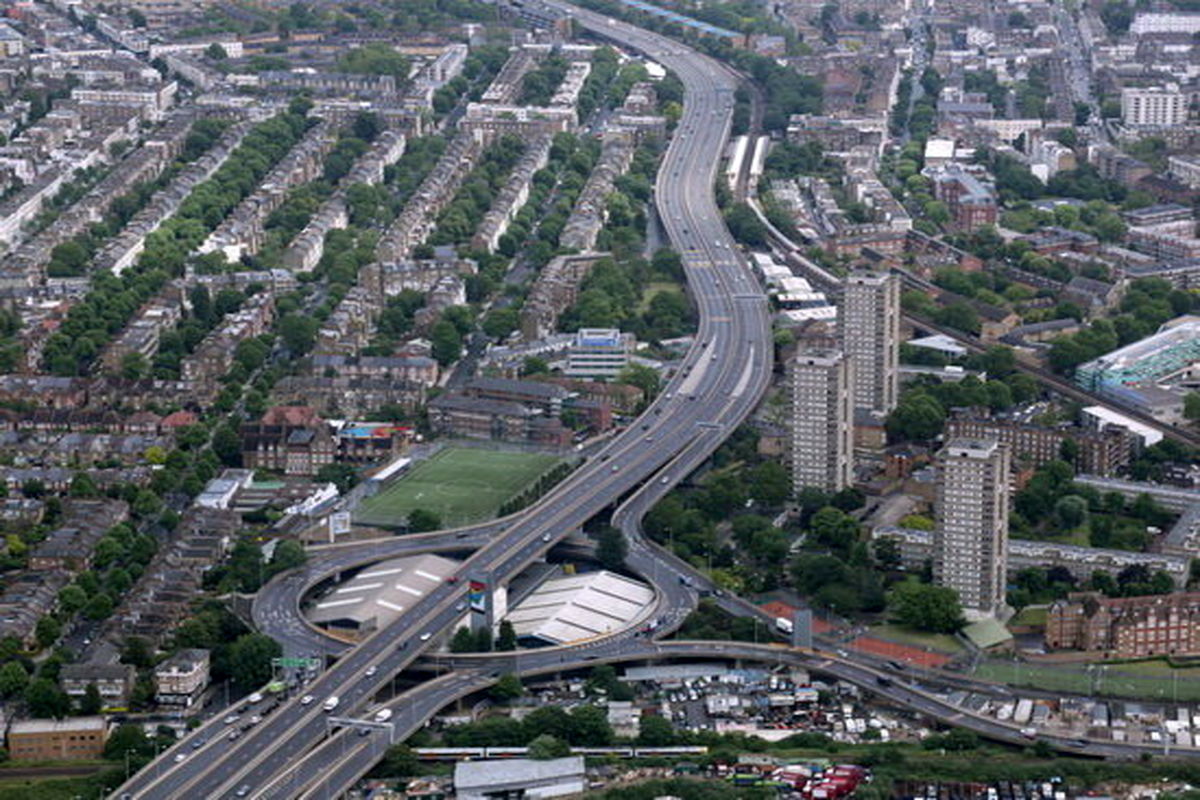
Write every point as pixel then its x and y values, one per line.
pixel 339 523
pixel 477 596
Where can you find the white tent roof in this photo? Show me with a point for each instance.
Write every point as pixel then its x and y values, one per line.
pixel 576 607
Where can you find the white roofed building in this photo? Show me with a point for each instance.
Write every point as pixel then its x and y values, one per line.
pixel 575 607
pixel 377 596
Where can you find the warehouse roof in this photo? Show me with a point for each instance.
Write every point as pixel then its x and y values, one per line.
pixel 379 594
pixel 580 606
pixel 475 775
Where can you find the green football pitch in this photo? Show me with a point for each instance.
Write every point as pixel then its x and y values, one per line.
pixel 460 485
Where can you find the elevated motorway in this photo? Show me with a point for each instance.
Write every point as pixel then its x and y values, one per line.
pixel 732 362
pixel 348 754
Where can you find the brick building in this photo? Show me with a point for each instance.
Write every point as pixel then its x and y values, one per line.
pixel 288 439
pixel 1099 452
pixel 1126 627
pixel 57 739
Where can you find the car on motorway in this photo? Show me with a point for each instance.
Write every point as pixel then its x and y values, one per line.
pixel 243 790
pixel 308 698
pixel 460 607
pixel 232 718
pixel 665 480
pixel 196 745
pixel 615 467
pixel 426 636
pixel 257 718
pixel 234 735
pixel 383 715
pixel 255 698
pixel 452 579
pixel 331 704
pixel 371 670
pixel 180 757
pixel 545 537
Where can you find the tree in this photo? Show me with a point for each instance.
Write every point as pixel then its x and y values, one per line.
pixel 590 727
pixel 399 762
pixel 769 484
pixel 1071 511
pixel 887 553
pixel 926 607
pixel 655 731
pixel 611 548
pixel 91 702
pixel 506 640
pixel 532 365
pixel 299 333
pixel 127 738
pixel 918 416
pixel 13 679
pixel 137 652
pixel 446 343
pixel 421 520
pixel 483 640
pixel 45 699
pixel 1191 405
pixel 367 126
pixel 47 631
pixel 288 554
pixel 227 445
pixel 463 641
pixel 545 747
pixel 216 52
pixel 250 660
pixel 508 687
pixel 642 377
pixel 71 599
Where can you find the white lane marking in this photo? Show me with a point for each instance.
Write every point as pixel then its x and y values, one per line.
pixel 381 573
pixel 362 587
pixel 335 603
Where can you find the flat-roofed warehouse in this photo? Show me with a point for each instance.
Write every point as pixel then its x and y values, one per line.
pixel 575 607
pixel 377 596
pixel 556 777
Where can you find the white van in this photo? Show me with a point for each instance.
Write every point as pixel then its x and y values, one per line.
pixel 330 704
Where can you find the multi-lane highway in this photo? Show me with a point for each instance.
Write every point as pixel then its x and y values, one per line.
pixel 347 755
pixel 722 380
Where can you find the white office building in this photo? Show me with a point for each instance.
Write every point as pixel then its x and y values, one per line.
pixel 599 353
pixel 822 420
pixel 869 329
pixel 1170 22
pixel 1153 106
pixel 970 541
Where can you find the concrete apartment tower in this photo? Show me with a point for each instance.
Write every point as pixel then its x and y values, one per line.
pixel 970 542
pixel 869 330
pixel 822 420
